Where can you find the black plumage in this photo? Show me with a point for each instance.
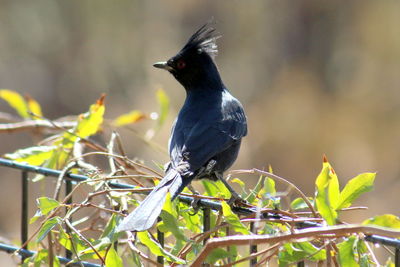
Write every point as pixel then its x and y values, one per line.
pixel 207 133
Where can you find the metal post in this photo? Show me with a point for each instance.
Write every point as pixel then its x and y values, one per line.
pixel 24 211
pixel 397 258
pixel 253 248
pixel 160 237
pixel 206 222
pixel 68 189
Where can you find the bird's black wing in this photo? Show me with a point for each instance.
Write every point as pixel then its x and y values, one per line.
pixel 211 135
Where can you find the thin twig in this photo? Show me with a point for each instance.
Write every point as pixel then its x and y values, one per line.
pixel 110 148
pixel 141 254
pixel 267 257
pixel 30 125
pixel 253 255
pixel 64 171
pixel 85 205
pixel 67 222
pixel 303 196
pixel 374 259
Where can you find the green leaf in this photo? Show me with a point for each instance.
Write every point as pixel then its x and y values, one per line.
pixel 134 260
pixel 294 252
pixel 64 239
pixel 233 219
pixel 216 189
pixel 269 186
pixel 113 259
pixel 41 257
pixel 35 155
pixel 386 220
pixel 300 204
pixel 170 220
pixel 347 253
pixel 223 191
pixel 163 102
pixel 217 254
pixel 314 253
pixel 45 205
pixel 210 188
pixel 363 253
pixel 100 245
pixel 354 188
pixel 191 222
pixel 240 183
pixel 327 193
pixel 267 194
pixel 47 227
pixel 255 191
pixel 16 101
pixel 156 248
pixel 109 230
pixel 129 118
pixel 56 262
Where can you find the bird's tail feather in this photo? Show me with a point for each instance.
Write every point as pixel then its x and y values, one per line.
pixel 145 215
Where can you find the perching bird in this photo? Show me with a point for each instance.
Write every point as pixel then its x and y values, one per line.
pixel 207 133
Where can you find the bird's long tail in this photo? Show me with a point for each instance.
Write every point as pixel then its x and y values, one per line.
pixel 145 215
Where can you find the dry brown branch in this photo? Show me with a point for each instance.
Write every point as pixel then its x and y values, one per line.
pixel 31 125
pixel 86 205
pixel 330 232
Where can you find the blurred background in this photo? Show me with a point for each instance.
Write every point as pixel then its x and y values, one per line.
pixel 315 77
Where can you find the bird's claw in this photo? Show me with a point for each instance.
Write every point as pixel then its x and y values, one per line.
pixel 195 205
pixel 236 200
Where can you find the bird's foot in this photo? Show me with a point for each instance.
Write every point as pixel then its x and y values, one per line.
pixel 236 200
pixel 210 166
pixel 195 203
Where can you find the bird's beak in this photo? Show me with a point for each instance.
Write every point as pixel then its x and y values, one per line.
pixel 163 65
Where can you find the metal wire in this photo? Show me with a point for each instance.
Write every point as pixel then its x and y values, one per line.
pixel 24 253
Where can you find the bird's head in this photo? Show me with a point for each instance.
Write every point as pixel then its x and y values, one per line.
pixel 194 65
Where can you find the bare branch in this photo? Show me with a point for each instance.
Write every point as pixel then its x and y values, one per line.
pixel 331 232
pixel 30 125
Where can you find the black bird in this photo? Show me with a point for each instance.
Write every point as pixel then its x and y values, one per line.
pixel 207 133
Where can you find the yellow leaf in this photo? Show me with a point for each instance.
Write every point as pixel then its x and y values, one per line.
pixel 386 220
pixel 129 118
pixel 90 122
pixel 238 181
pixel 34 107
pixel 35 155
pixel 16 101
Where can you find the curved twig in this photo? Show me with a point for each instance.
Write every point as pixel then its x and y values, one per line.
pixel 268 174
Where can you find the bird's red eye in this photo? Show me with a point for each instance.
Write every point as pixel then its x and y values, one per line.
pixel 180 64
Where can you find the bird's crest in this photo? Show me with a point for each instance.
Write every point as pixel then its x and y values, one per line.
pixel 203 40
